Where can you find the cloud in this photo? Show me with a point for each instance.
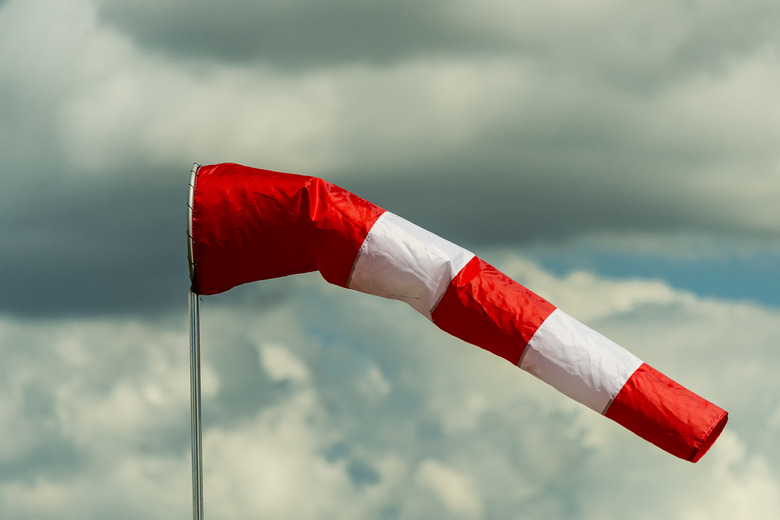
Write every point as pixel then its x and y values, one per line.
pixel 96 245
pixel 639 47
pixel 294 34
pixel 749 486
pixel 96 410
pixel 281 365
pixel 453 489
pixel 511 125
pixel 500 126
pixel 371 411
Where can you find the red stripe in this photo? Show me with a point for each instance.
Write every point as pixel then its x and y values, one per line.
pixel 670 416
pixel 250 224
pixel 485 307
pixel 342 221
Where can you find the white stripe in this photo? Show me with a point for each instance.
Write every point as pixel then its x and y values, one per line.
pixel 578 361
pixel 403 261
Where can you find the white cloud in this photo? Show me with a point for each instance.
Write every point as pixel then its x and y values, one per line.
pixel 100 403
pixel 747 486
pixel 373 384
pixel 281 364
pixel 587 296
pixel 455 490
pixel 387 415
pixel 268 465
pixel 309 123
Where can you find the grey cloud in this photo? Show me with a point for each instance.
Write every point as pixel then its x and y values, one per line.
pixel 523 196
pixel 569 157
pixel 75 243
pixel 643 48
pixel 292 34
pixel 639 48
pixel 47 452
pixel 111 245
pixel 79 245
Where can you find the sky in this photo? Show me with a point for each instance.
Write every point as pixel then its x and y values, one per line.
pixel 618 159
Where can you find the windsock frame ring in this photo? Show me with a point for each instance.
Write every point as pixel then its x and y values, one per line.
pixel 190 206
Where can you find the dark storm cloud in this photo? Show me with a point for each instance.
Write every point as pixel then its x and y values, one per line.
pixel 639 48
pixel 524 180
pixel 488 205
pixel 563 151
pixel 294 33
pixel 95 245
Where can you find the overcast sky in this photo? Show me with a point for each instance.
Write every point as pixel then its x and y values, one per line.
pixel 618 158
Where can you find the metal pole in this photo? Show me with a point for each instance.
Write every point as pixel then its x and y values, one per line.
pixel 195 413
pixel 195 409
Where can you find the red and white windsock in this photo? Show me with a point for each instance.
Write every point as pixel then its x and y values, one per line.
pixel 249 224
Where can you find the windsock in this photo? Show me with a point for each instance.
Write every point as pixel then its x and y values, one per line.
pixel 248 224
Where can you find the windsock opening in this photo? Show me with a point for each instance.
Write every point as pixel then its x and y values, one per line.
pixel 710 437
pixel 190 202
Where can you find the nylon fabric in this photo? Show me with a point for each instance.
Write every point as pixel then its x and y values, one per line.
pixel 578 361
pixel 402 261
pixel 250 224
pixel 665 413
pixel 485 307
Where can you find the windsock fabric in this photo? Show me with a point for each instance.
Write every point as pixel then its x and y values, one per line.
pixel 250 224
